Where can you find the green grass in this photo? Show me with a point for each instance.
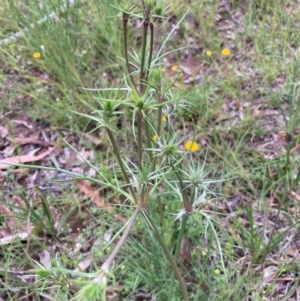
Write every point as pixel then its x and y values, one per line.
pixel 243 240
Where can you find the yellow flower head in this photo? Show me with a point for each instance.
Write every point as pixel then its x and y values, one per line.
pixel 163 69
pixel 191 146
pixel 36 55
pixel 123 267
pixel 208 53
pixel 174 68
pixel 155 137
pixel 164 118
pixel 217 272
pixel 226 52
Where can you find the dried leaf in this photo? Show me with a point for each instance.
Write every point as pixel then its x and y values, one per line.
pixel 7 236
pixel 3 131
pixel 29 140
pixel 94 195
pixel 7 162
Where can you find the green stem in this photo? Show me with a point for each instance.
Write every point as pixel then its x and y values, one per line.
pixel 159 115
pixel 145 32
pixel 178 247
pixel 151 49
pixel 187 205
pixel 125 21
pixel 139 129
pixel 143 203
pixel 167 254
pixel 121 164
pixel 181 234
pixel 161 212
pixel 147 128
pixel 158 130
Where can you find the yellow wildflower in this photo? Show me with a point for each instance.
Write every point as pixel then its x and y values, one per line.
pixel 226 52
pixel 191 146
pixel 163 69
pixel 164 118
pixel 36 55
pixel 155 137
pixel 123 267
pixel 217 272
pixel 208 53
pixel 174 68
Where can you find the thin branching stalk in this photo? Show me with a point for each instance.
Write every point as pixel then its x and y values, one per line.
pixel 160 205
pixel 120 161
pixel 159 114
pixel 106 265
pixel 144 5
pixel 146 22
pixel 181 234
pixel 177 251
pixel 140 146
pixel 187 205
pixel 143 58
pixel 143 195
pixel 167 253
pixel 148 136
pixel 161 211
pixel 125 21
pixel 150 49
pixel 158 129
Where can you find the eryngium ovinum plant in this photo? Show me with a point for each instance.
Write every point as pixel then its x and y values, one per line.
pixel 163 162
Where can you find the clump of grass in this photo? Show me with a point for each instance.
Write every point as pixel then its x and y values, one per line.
pixel 62 51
